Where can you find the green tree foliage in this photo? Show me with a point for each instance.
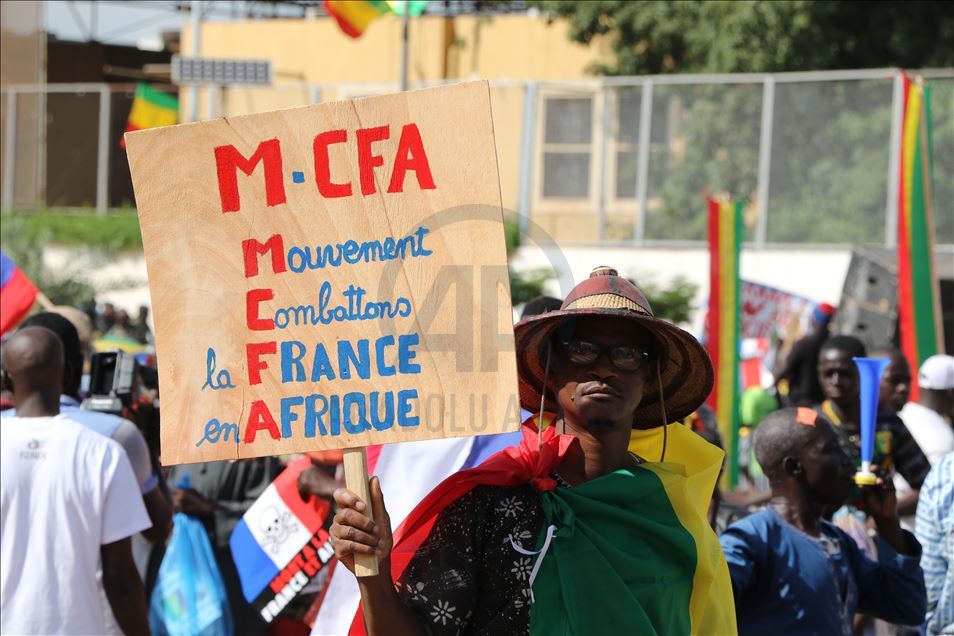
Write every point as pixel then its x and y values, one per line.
pixel 525 286
pixel 831 140
pixel 753 37
pixel 118 230
pixel 719 154
pixel 672 302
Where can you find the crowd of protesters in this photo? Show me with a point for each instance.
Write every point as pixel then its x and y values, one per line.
pixel 87 509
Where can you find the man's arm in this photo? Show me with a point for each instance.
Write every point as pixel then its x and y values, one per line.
pixel 313 481
pixel 881 503
pixel 352 533
pixel 123 515
pixel 891 588
pixel 741 557
pixel 193 504
pixel 159 510
pixel 158 507
pixel 124 588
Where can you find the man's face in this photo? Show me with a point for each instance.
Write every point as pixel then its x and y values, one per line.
pixel 838 376
pixel 895 387
pixel 827 467
pixel 606 391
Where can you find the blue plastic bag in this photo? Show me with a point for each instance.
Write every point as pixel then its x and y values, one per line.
pixel 189 598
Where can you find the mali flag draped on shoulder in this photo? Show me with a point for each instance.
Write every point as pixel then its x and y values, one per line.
pixel 151 108
pixel 629 553
pixel 918 305
pixel 354 16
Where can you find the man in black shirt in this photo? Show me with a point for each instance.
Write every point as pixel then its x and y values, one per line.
pixel 800 368
pixel 894 447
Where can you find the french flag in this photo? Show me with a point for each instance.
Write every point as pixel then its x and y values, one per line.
pixel 281 543
pixel 17 294
pixel 408 472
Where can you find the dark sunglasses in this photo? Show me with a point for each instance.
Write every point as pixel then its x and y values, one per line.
pixel 624 358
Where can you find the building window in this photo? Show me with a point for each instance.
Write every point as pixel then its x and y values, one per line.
pixel 567 147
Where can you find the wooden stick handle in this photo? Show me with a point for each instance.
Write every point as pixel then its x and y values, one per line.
pixel 43 301
pixel 356 479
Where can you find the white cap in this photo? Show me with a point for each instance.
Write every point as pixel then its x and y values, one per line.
pixel 937 373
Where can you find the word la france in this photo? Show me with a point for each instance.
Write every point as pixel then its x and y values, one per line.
pixel 317 414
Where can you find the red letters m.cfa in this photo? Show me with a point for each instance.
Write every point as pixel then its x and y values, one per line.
pixel 252 249
pixel 228 160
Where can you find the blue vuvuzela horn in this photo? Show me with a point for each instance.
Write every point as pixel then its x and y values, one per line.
pixel 869 373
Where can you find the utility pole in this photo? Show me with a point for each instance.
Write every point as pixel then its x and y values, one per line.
pixel 195 7
pixel 406 18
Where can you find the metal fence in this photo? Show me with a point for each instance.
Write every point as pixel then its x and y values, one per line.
pixel 609 161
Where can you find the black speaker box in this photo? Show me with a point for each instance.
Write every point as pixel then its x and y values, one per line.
pixel 868 308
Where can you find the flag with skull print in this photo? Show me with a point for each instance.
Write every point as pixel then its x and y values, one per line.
pixel 281 544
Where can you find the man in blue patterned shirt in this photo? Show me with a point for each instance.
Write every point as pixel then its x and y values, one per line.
pixel 935 531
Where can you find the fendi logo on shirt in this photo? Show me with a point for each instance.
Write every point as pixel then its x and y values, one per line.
pixel 33 451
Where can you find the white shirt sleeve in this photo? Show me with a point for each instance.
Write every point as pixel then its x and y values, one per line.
pixel 132 441
pixel 124 513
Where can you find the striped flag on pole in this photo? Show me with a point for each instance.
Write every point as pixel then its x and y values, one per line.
pixel 151 108
pixel 724 319
pixel 354 16
pixel 281 543
pixel 17 294
pixel 918 305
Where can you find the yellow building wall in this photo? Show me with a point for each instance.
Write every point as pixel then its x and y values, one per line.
pixel 315 51
pixel 520 46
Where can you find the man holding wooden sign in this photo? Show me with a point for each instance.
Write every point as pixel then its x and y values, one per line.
pixel 569 533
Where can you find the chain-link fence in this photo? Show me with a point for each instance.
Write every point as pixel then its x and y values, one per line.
pixel 613 161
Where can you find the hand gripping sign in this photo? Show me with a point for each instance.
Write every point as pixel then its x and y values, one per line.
pixel 331 276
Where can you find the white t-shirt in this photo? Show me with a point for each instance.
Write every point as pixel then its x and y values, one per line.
pixel 117 428
pixel 64 492
pixel 935 437
pixel 929 429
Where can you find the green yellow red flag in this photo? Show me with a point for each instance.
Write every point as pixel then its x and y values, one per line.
pixel 919 319
pixel 724 320
pixel 354 16
pixel 151 108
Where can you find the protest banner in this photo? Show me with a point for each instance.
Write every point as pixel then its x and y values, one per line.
pixel 331 276
pixel 767 311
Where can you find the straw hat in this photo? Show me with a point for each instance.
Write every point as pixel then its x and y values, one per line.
pixel 685 370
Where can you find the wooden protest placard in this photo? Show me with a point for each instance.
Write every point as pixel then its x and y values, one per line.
pixel 325 277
